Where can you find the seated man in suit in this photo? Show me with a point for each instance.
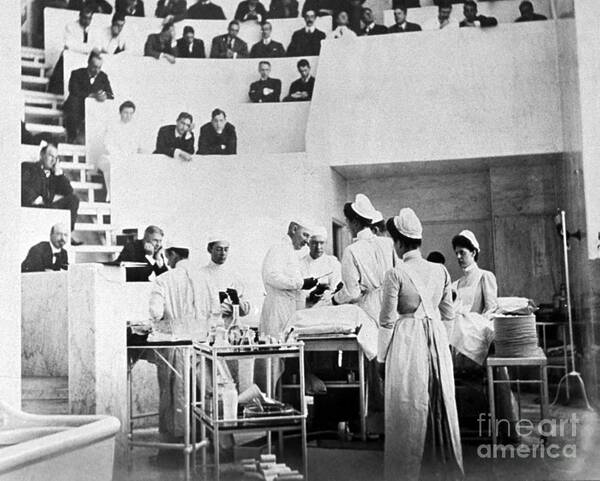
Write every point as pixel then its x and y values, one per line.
pixel 217 137
pixel 229 45
pixel 283 9
pixel 132 8
pixel 85 82
pixel 527 13
pixel 44 185
pixel 473 20
pixel 205 10
pixel 173 10
pixel 251 10
pixel 307 40
pixel 302 88
pixel 267 47
pixel 401 24
pixel 369 25
pixel 160 45
pixel 188 46
pixel 342 30
pixel 49 256
pixel 177 140
pixel 266 89
pixel 148 251
pixel 444 19
pixel 110 40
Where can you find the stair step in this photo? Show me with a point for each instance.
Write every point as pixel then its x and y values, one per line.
pixel 83 226
pixel 45 406
pixel 86 185
pixel 71 149
pixel 44 387
pixel 33 65
pixel 28 53
pixel 35 97
pixel 96 249
pixel 94 208
pixel 43 112
pixel 45 128
pixel 34 80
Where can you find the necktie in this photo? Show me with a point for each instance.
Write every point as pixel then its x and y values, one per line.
pixel 85 36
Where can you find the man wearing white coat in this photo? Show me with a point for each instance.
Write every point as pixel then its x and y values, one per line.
pixel 173 311
pixel 364 264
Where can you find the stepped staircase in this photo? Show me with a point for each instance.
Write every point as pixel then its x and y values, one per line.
pixel 43 115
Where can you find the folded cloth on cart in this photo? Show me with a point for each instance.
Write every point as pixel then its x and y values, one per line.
pixel 515 306
pixel 344 319
pixel 471 334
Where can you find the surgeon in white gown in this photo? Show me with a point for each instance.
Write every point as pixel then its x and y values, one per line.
pixel 422 438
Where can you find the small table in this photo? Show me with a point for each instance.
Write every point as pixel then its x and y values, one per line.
pixel 496 361
pixel 347 343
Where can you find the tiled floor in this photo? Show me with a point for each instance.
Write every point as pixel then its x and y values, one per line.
pixel 576 449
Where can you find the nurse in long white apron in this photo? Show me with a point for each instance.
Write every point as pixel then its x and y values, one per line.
pixel 422 437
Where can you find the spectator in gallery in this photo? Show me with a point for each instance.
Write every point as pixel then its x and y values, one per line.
pixel 205 10
pixel 302 88
pixel 148 251
pixel 76 38
pixel 229 45
pixel 251 10
pixel 177 140
pixel 188 46
pixel 160 45
pixel 402 25
pixel 266 89
pixel 85 82
pixel 354 10
pixel 283 9
pixel 342 30
pixel 307 40
pixel 171 10
pixel 267 47
pixel 121 139
pixel 528 14
pixel 44 185
pixel 217 137
pixel 96 6
pixel 444 19
pixel 131 8
pixel 49 256
pixel 110 40
pixel 369 25
pixel 473 20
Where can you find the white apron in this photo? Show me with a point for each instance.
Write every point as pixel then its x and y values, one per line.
pixel 418 344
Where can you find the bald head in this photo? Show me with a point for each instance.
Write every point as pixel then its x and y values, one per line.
pixel 299 235
pixel 59 234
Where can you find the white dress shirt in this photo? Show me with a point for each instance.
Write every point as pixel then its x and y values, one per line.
pixel 343 32
pixel 102 39
pixel 74 38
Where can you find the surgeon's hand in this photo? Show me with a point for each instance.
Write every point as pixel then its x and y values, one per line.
pixel 309 283
pixel 381 370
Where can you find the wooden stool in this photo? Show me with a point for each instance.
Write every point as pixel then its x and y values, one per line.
pixel 494 361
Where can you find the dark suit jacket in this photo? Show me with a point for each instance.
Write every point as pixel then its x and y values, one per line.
pixel 256 90
pixel 80 88
pixel 167 142
pixel 483 20
pixel 35 183
pixel 220 44
pixel 410 27
pixel 243 9
pixel 273 49
pixel 178 9
pixel 278 10
pixel 299 86
pixel 376 30
pixel 154 46
pixel 121 8
pixel 210 11
pixel 134 252
pixel 97 6
pixel 39 258
pixel 305 44
pixel 197 49
pixel 211 143
pixel 535 17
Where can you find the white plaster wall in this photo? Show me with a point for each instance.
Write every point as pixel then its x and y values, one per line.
pixel 10 196
pixel 137 30
pixel 468 93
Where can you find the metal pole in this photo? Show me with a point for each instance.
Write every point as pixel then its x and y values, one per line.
pixel 568 286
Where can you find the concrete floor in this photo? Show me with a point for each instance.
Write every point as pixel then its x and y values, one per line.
pixel 576 447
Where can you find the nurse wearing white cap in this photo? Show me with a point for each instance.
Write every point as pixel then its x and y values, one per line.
pixel 326 268
pixel 419 381
pixel 364 264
